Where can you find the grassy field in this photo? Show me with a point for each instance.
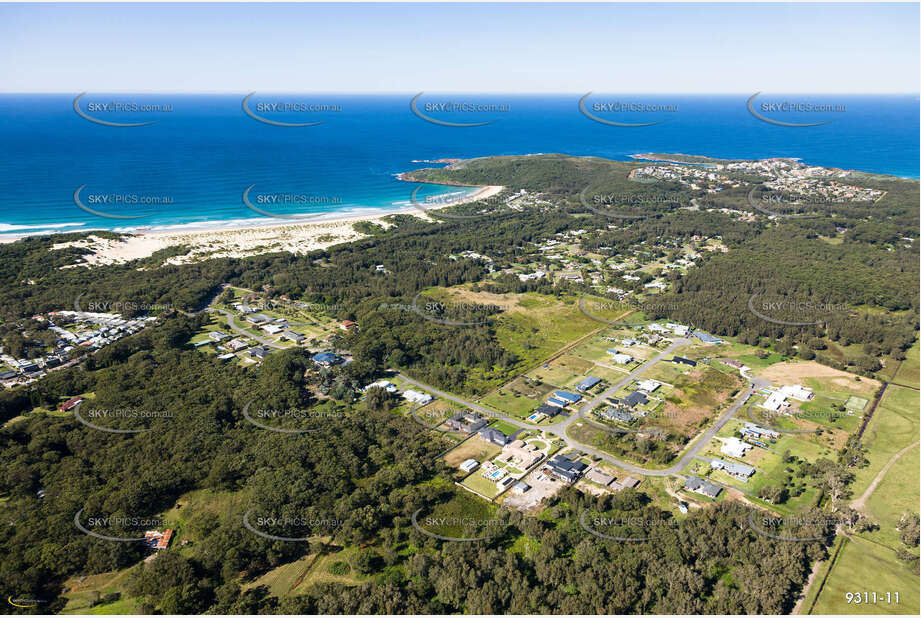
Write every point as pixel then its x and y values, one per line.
pixel 868 561
pixel 84 592
pixel 894 425
pixel 866 566
pixel 281 580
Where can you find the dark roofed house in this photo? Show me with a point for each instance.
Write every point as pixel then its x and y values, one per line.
pixel 700 486
pixel 548 410
pixel 290 335
pixel 565 469
pixel 259 353
pixel 327 359
pixel 684 361
pixel 587 384
pixel 466 422
pixel 493 435
pixel 8 375
pixel 635 398
pixel 616 414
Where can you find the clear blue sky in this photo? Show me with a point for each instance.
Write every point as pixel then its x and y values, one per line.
pixel 574 48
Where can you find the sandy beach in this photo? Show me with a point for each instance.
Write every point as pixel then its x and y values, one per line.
pixel 244 239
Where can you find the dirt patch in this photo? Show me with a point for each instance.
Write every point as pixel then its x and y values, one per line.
pixel 530 501
pixel 474 448
pixel 796 372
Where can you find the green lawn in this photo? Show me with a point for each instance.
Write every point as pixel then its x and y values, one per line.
pixel 865 566
pixel 894 425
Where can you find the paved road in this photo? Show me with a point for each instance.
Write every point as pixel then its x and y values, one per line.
pixel 232 323
pixel 560 427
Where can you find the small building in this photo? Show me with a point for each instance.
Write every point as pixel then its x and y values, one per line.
pixel 629 482
pixel 272 329
pixel 587 384
pixel 156 540
pixel 470 465
pixel 597 476
pixel 217 335
pixel 348 325
pixel 520 487
pixel 237 344
pixel 258 352
pixel 226 357
pixel 684 361
pixel 700 486
pixel 8 375
pixel 679 329
pixel 70 404
pixel 490 434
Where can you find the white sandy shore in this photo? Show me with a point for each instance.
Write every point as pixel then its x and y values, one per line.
pixel 244 240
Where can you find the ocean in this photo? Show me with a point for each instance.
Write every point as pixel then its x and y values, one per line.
pixel 61 171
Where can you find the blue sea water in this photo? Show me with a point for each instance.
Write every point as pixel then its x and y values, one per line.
pixel 204 153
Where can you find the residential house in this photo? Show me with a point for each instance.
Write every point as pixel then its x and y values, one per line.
pixel 548 410
pixel 706 338
pixel 636 398
pixel 327 359
pixel 567 396
pixel 290 335
pixel 559 403
pixel 417 397
pixel 70 404
pixel 797 392
pixel 565 469
pixel 648 386
pixel 734 469
pixel 520 487
pixel 522 454
pixel 597 476
pixel 587 384
pixel 619 357
pixel 683 361
pixel 616 414
pixel 466 422
pixel 348 325
pixel 751 429
pixel 490 434
pixel 775 402
pixel 258 352
pixel 734 447
pixel 700 486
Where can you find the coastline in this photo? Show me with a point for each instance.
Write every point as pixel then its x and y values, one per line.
pixel 242 238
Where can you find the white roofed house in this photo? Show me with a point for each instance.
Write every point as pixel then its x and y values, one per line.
pixel 798 392
pixel 417 397
pixel 775 402
pixel 735 447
